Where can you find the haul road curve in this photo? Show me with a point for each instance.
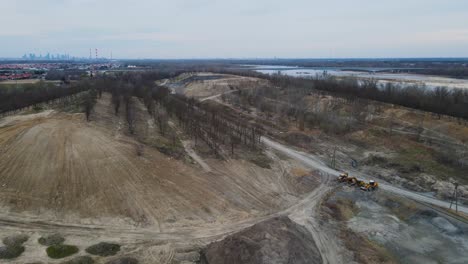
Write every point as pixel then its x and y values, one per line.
pixel 312 161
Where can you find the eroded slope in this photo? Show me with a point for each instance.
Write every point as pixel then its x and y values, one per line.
pixel 64 168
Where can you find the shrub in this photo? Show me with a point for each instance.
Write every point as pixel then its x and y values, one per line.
pixel 50 240
pixel 261 160
pixel 61 251
pixel 13 241
pixel 11 252
pixel 103 249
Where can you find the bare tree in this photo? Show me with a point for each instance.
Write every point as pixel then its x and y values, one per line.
pixel 89 103
pixel 130 111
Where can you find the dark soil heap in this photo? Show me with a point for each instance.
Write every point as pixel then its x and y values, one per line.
pixel 275 241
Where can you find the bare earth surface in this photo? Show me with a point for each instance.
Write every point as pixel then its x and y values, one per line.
pixel 88 182
pixel 74 169
pixel 278 240
pixel 85 180
pixel 206 86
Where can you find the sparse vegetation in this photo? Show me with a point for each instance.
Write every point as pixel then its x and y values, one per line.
pixel 32 94
pixel 61 251
pixel 103 249
pixel 50 240
pixel 11 252
pixel 342 209
pixel 440 101
pixel 16 240
pixel 89 102
pixel 259 159
pixel 411 157
pixel 13 246
pixel 365 251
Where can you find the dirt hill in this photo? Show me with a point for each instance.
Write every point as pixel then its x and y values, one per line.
pixel 275 241
pixel 59 166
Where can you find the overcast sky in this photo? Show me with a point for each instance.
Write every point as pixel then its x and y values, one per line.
pixel 240 28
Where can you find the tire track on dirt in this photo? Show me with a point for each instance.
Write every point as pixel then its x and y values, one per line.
pixel 217 231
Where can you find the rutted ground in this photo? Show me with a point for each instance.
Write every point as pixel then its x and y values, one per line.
pixel 64 165
pixel 89 181
pixel 94 182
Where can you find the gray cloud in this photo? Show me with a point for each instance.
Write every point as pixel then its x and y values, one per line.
pixel 243 28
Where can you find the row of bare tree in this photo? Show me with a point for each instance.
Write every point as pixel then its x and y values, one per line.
pixel 212 124
pixel 439 100
pixel 12 98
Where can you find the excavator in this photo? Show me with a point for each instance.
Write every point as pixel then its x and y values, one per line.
pixel 371 186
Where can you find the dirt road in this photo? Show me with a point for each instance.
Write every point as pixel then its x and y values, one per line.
pixel 191 152
pixel 216 96
pixel 316 163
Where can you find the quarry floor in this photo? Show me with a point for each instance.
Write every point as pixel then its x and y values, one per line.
pixel 87 181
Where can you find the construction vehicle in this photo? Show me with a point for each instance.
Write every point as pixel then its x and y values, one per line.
pixel 371 186
pixel 360 183
pixel 352 180
pixel 343 177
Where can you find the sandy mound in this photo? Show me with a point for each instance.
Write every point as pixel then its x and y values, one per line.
pixel 65 168
pixel 205 85
pixel 278 240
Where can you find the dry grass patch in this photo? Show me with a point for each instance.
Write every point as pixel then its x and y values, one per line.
pixel 299 172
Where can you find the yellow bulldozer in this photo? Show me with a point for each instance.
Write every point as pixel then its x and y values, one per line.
pixel 371 186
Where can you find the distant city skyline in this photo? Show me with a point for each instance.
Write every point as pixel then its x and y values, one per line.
pixel 47 56
pixel 65 56
pixel 238 29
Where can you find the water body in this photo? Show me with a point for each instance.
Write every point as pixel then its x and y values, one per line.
pixel 403 79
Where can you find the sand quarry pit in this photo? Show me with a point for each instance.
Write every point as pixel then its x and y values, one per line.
pixel 86 180
pixel 94 182
pixel 63 164
pixel 211 85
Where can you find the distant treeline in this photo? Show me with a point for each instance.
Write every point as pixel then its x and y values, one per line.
pixel 65 75
pixel 456 72
pixel 12 97
pixel 441 100
pixel 453 67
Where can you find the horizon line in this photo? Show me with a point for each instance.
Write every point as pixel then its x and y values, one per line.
pixel 250 58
